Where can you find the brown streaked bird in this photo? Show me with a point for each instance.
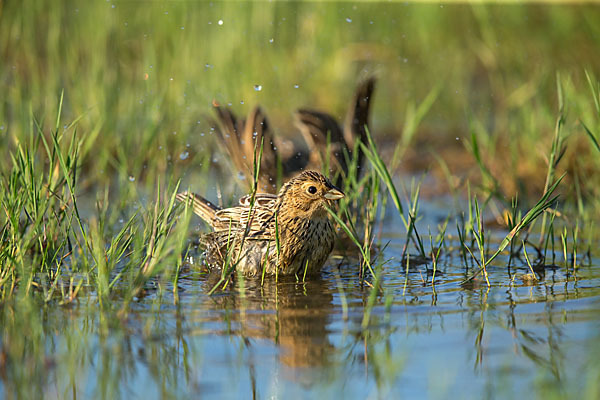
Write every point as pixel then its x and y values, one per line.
pixel 239 136
pixel 306 235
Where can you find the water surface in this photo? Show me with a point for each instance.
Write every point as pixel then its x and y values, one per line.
pixel 293 339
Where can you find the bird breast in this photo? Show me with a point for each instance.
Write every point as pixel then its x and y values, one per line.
pixel 308 244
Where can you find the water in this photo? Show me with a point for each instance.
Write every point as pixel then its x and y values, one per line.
pixel 292 339
pixel 296 340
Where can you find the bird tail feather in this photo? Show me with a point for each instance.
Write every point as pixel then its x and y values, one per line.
pixel 202 207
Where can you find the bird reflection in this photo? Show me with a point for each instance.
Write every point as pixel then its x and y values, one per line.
pixel 291 313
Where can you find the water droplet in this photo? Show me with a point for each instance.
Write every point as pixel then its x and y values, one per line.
pixel 1 127
pixel 201 133
pixel 457 139
pixel 296 86
pixel 131 178
pixel 271 40
pixel 220 22
pixel 242 102
pixel 183 27
pixel 113 6
pixel 348 20
pixel 258 88
pixel 120 220
pixel 184 155
pixel 187 145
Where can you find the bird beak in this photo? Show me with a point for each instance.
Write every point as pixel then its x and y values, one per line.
pixel 334 194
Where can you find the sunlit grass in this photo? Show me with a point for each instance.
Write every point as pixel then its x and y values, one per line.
pixel 49 247
pixel 137 80
pixel 103 118
pixel 45 228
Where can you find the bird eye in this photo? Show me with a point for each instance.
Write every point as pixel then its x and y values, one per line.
pixel 312 190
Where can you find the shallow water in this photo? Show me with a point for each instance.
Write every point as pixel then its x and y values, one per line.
pixel 298 340
pixel 145 74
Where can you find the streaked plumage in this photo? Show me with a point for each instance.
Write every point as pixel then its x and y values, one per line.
pixel 238 137
pixel 306 235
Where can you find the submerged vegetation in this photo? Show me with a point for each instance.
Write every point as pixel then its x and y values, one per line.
pixel 105 116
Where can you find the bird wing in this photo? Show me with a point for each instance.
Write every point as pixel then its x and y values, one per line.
pixel 261 199
pixel 227 126
pixel 357 117
pixel 257 221
pixel 255 131
pixel 316 126
pixel 241 138
pixel 321 132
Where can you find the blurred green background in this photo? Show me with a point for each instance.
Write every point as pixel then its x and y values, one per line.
pixel 139 80
pixel 141 76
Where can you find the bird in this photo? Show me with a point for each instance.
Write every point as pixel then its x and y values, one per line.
pixel 327 142
pixel 289 233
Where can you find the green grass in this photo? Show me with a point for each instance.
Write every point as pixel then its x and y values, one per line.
pixel 104 117
pixel 100 56
pixel 49 247
pixel 142 122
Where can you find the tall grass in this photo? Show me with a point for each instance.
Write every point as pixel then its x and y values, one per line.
pixel 117 68
pixel 103 119
pixel 50 247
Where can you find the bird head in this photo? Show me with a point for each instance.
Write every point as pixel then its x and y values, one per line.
pixel 309 192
